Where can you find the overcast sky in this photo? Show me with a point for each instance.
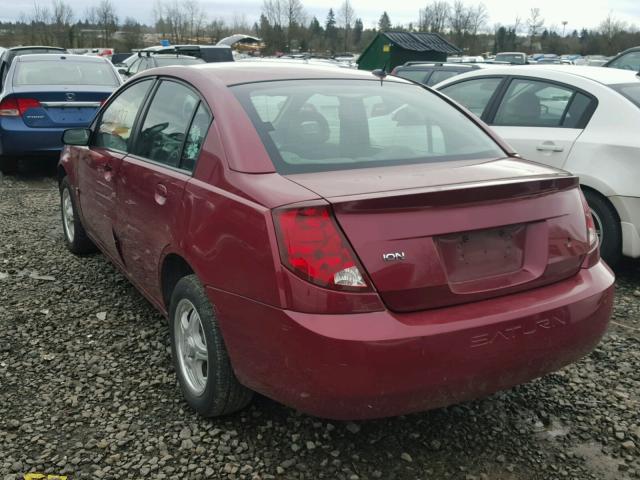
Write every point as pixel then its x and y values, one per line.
pixel 578 13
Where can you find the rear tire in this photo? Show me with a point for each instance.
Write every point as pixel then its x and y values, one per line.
pixel 8 165
pixel 608 226
pixel 75 236
pixel 200 357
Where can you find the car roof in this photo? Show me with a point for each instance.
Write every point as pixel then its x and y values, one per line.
pixel 43 57
pixel 606 76
pixel 264 71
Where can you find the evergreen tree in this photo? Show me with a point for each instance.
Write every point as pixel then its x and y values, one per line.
pixel 384 24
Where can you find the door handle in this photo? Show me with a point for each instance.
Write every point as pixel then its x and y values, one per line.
pixel 549 147
pixel 160 194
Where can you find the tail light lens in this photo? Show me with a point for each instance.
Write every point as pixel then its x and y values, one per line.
pixel 313 247
pixel 16 107
pixel 593 256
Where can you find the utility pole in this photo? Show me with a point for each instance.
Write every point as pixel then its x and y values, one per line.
pixel 564 26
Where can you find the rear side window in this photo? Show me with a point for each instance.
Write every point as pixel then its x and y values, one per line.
pixel 64 72
pixel 116 122
pixel 324 125
pixel 413 75
pixel 195 137
pixel 474 94
pixel 533 103
pixel 441 75
pixel 165 125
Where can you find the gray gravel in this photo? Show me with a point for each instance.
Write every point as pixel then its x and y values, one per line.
pixel 87 389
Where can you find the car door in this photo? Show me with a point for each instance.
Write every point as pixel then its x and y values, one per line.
pixel 99 163
pixel 153 177
pixel 540 119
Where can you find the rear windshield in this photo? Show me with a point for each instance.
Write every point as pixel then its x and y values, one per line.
pixel 166 62
pixel 629 90
pixel 64 72
pixel 322 125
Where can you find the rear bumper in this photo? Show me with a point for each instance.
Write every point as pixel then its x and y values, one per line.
pixel 18 139
pixel 628 209
pixel 383 364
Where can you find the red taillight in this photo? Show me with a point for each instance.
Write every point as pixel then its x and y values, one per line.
pixel 15 107
pixel 313 247
pixel 592 236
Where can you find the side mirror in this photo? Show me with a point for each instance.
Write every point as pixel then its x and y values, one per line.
pixel 76 136
pixel 123 71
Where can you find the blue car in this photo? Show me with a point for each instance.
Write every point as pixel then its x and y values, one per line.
pixel 44 94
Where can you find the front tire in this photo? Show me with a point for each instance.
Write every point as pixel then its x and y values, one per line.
pixel 607 226
pixel 200 357
pixel 75 236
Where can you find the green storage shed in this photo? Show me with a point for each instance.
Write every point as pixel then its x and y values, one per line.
pixel 390 49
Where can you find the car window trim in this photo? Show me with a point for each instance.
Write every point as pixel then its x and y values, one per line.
pixel 142 114
pixel 584 120
pixel 98 119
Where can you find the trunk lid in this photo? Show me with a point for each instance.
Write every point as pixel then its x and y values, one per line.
pixel 436 235
pixel 65 107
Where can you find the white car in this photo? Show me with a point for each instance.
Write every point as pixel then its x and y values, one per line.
pixel 583 119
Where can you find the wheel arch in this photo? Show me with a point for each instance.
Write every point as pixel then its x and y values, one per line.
pixel 174 267
pixel 603 197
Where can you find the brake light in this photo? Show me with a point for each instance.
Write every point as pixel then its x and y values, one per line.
pixel 592 236
pixel 16 107
pixel 313 247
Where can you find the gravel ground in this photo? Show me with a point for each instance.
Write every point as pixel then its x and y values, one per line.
pixel 87 389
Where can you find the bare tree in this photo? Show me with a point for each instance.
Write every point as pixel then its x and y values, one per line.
pixel 346 14
pixel 105 18
pixel 434 17
pixel 62 19
pixel 275 11
pixel 534 23
pixel 459 20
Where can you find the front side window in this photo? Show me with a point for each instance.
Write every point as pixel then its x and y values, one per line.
pixel 116 123
pixel 630 90
pixel 344 124
pixel 165 125
pixel 629 61
pixel 413 75
pixel 473 94
pixel 441 75
pixel 533 103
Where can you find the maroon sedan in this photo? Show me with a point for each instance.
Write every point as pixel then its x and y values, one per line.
pixel 350 246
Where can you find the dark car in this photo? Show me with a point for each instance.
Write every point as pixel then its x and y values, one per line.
pixel 9 54
pixel 118 58
pixel 209 53
pixel 352 247
pixel 46 94
pixel 627 60
pixel 147 61
pixel 431 73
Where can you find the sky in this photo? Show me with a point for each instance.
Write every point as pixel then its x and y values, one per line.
pixel 578 13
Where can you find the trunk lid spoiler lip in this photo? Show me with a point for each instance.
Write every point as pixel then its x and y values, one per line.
pixel 465 192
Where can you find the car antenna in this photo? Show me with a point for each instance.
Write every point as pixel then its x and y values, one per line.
pixel 380 73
